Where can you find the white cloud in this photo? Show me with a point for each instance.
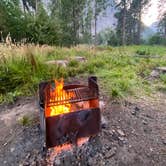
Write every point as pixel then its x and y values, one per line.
pixel 151 14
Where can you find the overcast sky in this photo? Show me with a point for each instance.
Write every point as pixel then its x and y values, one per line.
pixel 151 15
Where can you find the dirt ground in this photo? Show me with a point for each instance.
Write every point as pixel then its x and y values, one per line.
pixel 133 134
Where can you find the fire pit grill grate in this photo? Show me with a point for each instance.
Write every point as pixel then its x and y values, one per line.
pixel 79 94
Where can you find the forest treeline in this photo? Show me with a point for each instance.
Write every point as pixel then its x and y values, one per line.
pixel 71 22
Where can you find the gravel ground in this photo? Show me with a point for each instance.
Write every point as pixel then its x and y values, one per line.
pixel 133 134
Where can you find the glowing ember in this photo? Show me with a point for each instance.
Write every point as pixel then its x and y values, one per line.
pixel 68 146
pixel 59 94
pixel 82 141
pixel 65 147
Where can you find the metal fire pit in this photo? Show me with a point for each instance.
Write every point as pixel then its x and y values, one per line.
pixel 69 127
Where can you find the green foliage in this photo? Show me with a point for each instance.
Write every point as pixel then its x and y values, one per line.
pixel 157 39
pixel 120 81
pixel 26 120
pixel 70 22
pixel 63 23
pixel 73 63
pixel 163 78
pixel 119 72
pixel 143 51
pixel 11 19
pixel 129 23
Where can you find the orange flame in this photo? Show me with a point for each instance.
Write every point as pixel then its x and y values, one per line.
pixel 59 94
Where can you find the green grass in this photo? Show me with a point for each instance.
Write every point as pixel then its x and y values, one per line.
pixel 120 72
pixel 163 78
pixel 26 120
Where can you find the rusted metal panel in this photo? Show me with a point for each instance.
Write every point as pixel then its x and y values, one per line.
pixel 71 126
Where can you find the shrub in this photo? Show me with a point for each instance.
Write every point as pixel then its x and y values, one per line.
pixel 73 63
pixel 157 39
pixel 143 52
pixel 163 78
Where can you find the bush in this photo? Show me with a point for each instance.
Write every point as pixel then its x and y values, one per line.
pixel 163 78
pixel 157 39
pixel 73 63
pixel 143 52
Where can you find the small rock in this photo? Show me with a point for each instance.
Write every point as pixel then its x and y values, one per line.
pixel 12 150
pixel 80 59
pixel 101 104
pixel 161 69
pixel 114 136
pixel 133 112
pixel 151 149
pixel 130 146
pixel 90 161
pixel 145 122
pixel 58 62
pixel 149 116
pixel 57 161
pixel 122 141
pixel 28 156
pixel 113 131
pixel 103 122
pixel 133 131
pixel 137 109
pixel 111 153
pixel 121 138
pixel 5 144
pixel 164 141
pixel 121 133
pixel 155 74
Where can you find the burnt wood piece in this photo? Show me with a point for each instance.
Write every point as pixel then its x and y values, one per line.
pixel 69 127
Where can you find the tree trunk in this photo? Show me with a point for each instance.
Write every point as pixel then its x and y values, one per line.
pixel 139 27
pixel 2 39
pixel 74 26
pixel 95 19
pixel 124 24
pixel 25 6
pixel 165 30
pixel 36 7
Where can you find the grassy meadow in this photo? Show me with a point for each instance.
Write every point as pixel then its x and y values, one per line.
pixel 124 70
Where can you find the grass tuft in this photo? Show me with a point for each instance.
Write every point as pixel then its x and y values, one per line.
pixel 26 121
